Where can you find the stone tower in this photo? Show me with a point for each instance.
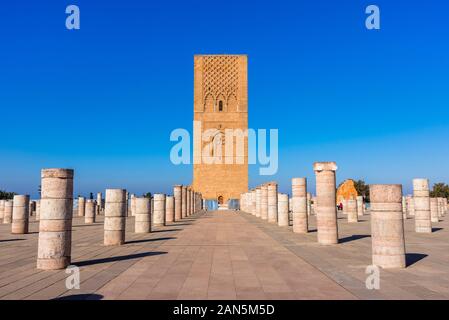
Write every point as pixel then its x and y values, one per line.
pixel 220 104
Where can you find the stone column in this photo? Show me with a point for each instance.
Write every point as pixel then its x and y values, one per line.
pixel 434 214
pixel 192 201
pixel 272 202
pixel 177 193
pixel 97 208
pixel 326 210
pixel 115 217
pixel 253 202
pixel 7 216
pixel 89 214
pixel 152 207
pixel 314 205
pixel 142 223
pixel 99 201
pixel 81 206
pixel 299 205
pixel 258 201
pixel 422 205
pixel 410 206
pixel 440 206
pixel 444 206
pixel 352 211
pixel 283 210
pixel 2 209
pixel 192 209
pixel 404 208
pixel 133 204
pixel 20 212
pixel 127 203
pixel 264 202
pixel 159 210
pixel 169 209
pixel 38 210
pixel 188 213
pixel 360 206
pixel 387 226
pixel 309 203
pixel 55 225
pixel 345 206
pixel 184 201
pixel 32 207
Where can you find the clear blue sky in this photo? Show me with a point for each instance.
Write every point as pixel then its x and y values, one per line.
pixel 104 99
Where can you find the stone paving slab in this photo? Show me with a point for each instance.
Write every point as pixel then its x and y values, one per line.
pixel 225 255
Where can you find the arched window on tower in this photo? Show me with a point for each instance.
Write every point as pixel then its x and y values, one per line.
pixel 220 105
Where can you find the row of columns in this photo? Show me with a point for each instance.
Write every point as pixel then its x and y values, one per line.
pixel 387 212
pixel 56 212
pixel 24 209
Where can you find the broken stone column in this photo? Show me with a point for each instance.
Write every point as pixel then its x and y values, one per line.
pixel 434 214
pixel 184 201
pixel 115 217
pixel 177 193
pixel 258 201
pixel 360 206
pixel 272 202
pixel 20 212
pixel 326 210
pixel 283 210
pixel 264 202
pixel 169 209
pixel 2 209
pixel 55 225
pixel 299 205
pixel 89 214
pixel 387 226
pixel 421 196
pixel 81 206
pixel 7 215
pixel 38 210
pixel 159 209
pixel 142 223
pixel 352 211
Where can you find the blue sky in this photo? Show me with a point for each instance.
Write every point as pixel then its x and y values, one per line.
pixel 104 99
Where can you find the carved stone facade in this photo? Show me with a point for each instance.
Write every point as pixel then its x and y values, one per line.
pixel 220 103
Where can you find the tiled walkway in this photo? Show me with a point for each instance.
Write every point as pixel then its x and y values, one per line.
pixel 225 255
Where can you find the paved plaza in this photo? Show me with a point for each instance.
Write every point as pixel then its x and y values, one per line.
pixel 225 255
